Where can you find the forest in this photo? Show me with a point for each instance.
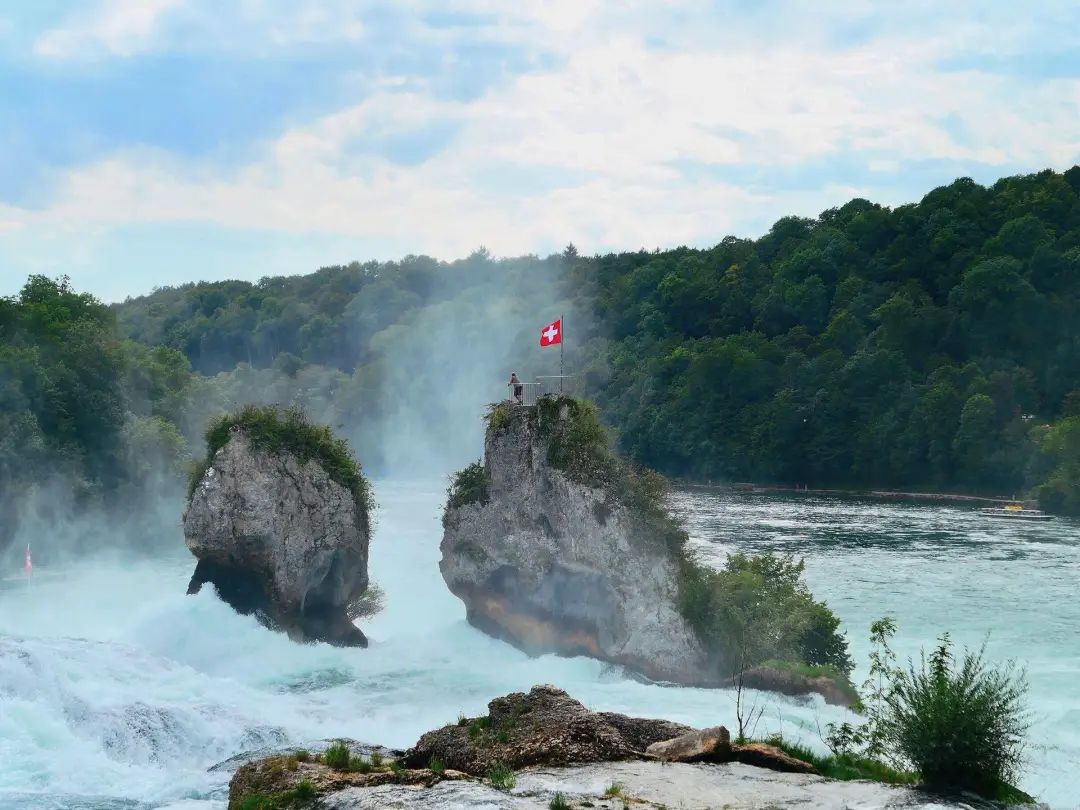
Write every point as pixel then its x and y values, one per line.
pixel 932 345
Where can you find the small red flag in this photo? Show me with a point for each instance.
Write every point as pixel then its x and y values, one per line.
pixel 551 335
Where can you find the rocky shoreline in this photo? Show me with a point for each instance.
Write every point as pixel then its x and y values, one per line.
pixel 543 749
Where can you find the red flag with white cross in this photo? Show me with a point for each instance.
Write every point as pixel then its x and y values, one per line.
pixel 551 334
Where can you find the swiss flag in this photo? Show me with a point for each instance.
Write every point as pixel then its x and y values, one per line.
pixel 551 334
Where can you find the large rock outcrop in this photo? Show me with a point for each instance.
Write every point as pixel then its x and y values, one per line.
pixel 562 754
pixel 544 726
pixel 554 565
pixel 278 537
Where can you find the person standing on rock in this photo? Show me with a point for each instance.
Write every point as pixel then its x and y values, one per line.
pixel 518 387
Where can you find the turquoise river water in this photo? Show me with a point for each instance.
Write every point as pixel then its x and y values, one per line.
pixel 118 691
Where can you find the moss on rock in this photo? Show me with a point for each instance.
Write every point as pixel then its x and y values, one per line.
pixel 288 431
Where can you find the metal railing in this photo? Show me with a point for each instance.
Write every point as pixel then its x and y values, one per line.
pixel 558 384
pixel 523 393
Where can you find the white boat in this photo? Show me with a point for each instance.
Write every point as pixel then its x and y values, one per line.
pixel 1014 511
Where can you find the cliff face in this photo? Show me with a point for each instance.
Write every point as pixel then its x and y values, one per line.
pixel 552 565
pixel 281 539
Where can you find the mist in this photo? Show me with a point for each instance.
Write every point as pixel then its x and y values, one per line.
pixel 421 350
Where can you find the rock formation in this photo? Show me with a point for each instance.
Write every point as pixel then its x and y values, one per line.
pixel 556 746
pixel 280 538
pixel 553 562
pixel 542 727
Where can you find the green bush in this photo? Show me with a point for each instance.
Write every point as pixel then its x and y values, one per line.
pixel 304 790
pixel 558 802
pixel 577 442
pixel 957 724
pixel 498 415
pixel 280 431
pixel 468 486
pixel 501 776
pixel 758 608
pixel 338 756
pixel 960 722
pixel 437 765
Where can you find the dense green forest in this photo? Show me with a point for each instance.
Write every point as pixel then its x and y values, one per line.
pixel 88 419
pixel 932 345
pixel 929 345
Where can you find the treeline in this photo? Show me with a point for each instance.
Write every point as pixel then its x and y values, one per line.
pixel 931 345
pixel 935 344
pixel 88 418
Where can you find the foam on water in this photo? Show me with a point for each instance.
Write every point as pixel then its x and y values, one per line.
pixel 118 691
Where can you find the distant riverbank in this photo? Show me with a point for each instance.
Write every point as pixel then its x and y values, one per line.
pixel 874 494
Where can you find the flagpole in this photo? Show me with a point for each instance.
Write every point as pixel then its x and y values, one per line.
pixel 562 342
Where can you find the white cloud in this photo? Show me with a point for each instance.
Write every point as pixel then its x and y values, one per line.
pixel 609 130
pixel 119 28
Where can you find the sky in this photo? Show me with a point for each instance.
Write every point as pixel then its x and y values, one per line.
pixel 146 143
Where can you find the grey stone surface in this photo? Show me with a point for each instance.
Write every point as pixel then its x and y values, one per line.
pixel 551 565
pixel 281 537
pixel 650 785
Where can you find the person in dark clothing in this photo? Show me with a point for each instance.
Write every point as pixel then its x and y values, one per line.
pixel 517 386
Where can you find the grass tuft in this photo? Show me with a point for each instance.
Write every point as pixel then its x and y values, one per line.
pixel 558 802
pixel 337 756
pixel 501 776
pixel 844 767
pixel 304 790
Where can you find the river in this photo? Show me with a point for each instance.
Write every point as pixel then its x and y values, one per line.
pixel 117 691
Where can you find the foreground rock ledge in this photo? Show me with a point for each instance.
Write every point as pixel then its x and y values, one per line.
pixel 280 539
pixel 557 746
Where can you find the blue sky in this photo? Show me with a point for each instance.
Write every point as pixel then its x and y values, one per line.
pixel 152 142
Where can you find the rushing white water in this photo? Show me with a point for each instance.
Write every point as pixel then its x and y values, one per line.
pixel 118 691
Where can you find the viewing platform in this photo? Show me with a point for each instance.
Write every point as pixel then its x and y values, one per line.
pixel 526 394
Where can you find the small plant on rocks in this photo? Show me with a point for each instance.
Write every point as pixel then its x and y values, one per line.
pixel 501 776
pixel 337 756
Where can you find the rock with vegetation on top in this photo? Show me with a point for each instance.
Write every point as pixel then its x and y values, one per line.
pixel 556 546
pixel 278 519
pixel 554 746
pixel 543 727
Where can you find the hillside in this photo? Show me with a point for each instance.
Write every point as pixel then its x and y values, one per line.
pixel 925 345
pixel 931 345
pixel 934 345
